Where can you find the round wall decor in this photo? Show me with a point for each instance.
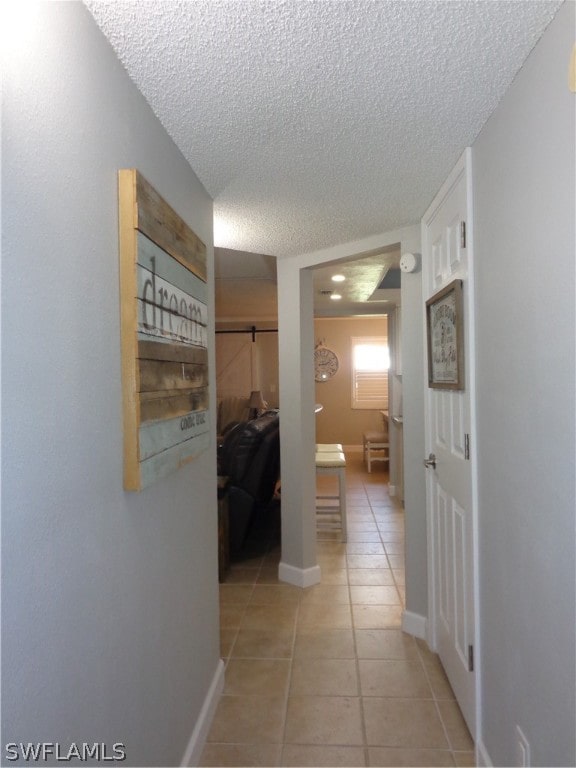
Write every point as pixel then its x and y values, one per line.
pixel 325 363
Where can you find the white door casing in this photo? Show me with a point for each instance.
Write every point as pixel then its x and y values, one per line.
pixel 451 484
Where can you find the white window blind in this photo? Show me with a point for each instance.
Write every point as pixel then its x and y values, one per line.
pixel 370 364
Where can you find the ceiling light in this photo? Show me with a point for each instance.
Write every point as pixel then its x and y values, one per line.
pixel 338 278
pixel 335 296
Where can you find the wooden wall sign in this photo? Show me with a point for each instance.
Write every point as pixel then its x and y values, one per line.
pixel 163 300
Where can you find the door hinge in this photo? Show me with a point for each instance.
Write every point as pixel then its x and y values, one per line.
pixel 462 234
pixel 470 658
pixel 467 447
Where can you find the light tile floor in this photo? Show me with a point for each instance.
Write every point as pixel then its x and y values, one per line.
pixel 325 676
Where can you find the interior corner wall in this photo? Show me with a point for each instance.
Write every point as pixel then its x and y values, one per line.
pixel 109 599
pixel 524 200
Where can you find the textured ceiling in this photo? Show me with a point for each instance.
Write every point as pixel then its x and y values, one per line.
pixel 313 123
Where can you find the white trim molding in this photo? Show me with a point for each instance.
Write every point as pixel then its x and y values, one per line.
pixel 414 624
pixel 482 757
pixel 299 577
pixel 200 733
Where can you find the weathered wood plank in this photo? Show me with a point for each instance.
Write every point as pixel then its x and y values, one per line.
pixel 167 405
pixel 163 375
pixel 158 436
pixel 158 221
pixel 130 378
pixel 154 259
pixel 165 310
pixel 177 353
pixel 167 462
pixel 183 330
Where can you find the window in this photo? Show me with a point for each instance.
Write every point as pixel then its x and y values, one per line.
pixel 370 364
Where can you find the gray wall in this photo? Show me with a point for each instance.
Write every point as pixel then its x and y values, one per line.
pixel 524 208
pixel 109 599
pixel 414 439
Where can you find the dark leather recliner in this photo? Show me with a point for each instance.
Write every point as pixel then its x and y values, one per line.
pixel 250 458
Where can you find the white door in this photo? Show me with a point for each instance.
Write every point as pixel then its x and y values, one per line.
pixel 451 487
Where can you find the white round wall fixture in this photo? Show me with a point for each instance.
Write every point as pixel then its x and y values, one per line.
pixel 409 262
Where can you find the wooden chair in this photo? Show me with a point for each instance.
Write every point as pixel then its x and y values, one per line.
pixel 375 447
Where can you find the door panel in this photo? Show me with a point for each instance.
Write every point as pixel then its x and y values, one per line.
pixel 450 498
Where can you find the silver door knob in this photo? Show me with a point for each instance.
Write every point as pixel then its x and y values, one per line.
pixel 430 461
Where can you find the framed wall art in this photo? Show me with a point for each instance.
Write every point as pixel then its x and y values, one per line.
pixel 163 302
pixel 445 337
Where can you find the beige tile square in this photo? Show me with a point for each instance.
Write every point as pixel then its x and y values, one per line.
pixel 394 547
pixel 464 759
pixel 359 513
pixel 389 524
pixel 331 548
pixel 317 757
pixel 264 643
pixel 227 637
pixel 275 594
pixel 334 576
pixel 231 615
pixel 232 755
pixel 384 513
pixel 391 536
pixel 235 594
pixel 370 536
pixel 316 615
pixel 370 577
pixel 248 720
pixel 362 526
pixel 456 728
pixel 257 677
pixel 400 678
pixel 324 644
pixel 377 616
pixel 365 548
pixel 403 723
pixel 396 561
pixel 440 684
pixel 266 616
pixel 367 561
pixel 324 720
pixel 326 593
pixel 429 758
pixel 331 560
pixel 324 677
pixel 385 644
pixel 371 595
pixel 399 576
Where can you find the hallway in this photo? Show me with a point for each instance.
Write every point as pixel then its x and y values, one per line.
pixel 324 676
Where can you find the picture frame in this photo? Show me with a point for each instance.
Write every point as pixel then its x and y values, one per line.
pixel 445 338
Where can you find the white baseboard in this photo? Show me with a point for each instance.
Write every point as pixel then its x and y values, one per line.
pixel 200 733
pixel 482 756
pixel 299 577
pixel 414 624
